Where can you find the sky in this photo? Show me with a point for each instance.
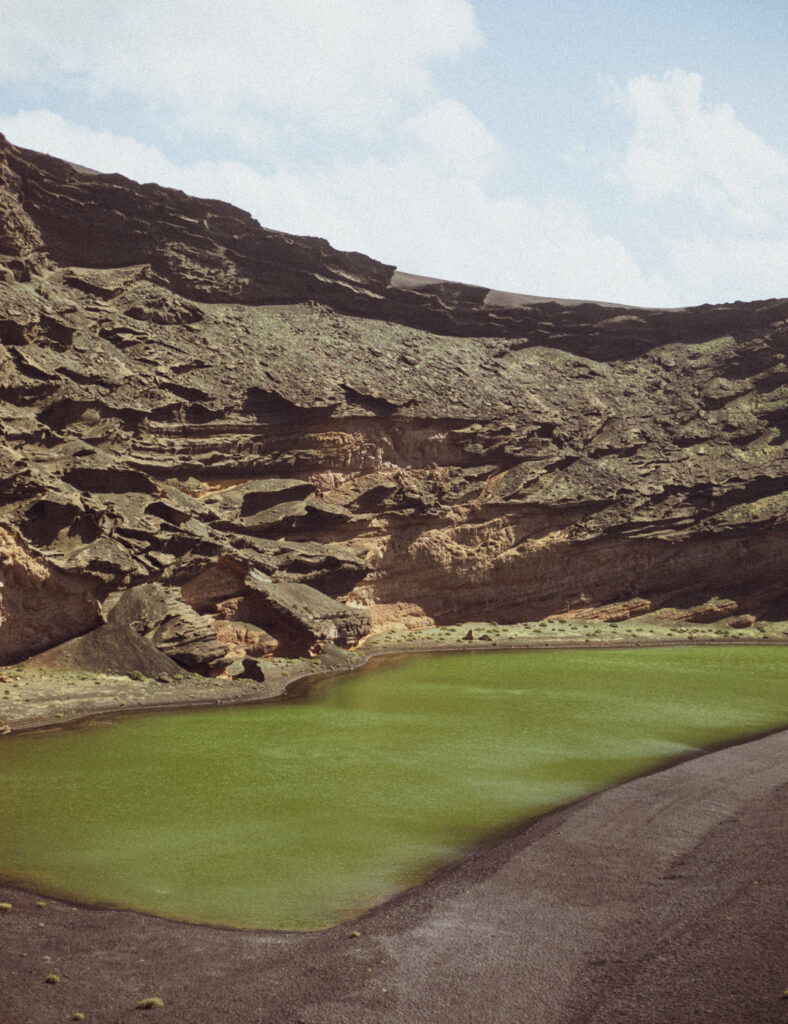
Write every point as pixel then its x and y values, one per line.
pixel 601 149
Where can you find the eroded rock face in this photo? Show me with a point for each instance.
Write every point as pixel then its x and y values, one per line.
pixel 289 445
pixel 40 606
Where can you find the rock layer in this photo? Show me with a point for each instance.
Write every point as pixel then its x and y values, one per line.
pixel 296 445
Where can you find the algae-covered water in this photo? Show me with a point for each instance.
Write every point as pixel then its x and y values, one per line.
pixel 301 814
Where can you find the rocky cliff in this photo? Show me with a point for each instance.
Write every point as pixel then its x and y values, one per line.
pixel 221 441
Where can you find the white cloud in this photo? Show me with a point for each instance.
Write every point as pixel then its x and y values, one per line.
pixel 48 132
pixel 712 194
pixel 296 82
pixel 684 147
pixel 405 211
pixel 730 268
pixel 340 65
pixel 453 228
pixel 455 139
pixel 279 78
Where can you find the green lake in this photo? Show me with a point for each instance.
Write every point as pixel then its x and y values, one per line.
pixel 301 814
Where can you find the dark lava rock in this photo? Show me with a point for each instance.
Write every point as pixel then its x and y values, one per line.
pixel 253 669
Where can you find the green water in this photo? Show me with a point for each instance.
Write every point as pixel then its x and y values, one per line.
pixel 299 815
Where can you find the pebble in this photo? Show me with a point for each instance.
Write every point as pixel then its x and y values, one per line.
pixel 151 1003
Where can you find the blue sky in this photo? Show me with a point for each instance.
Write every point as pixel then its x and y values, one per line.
pixel 604 149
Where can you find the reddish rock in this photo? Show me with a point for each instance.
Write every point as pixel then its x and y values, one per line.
pixel 742 621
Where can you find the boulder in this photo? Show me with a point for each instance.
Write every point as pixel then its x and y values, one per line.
pixel 172 626
pixel 742 621
pixel 254 640
pixel 306 613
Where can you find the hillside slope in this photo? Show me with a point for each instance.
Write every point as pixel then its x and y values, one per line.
pixel 228 441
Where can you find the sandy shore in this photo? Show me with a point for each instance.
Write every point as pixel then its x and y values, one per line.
pixel 661 900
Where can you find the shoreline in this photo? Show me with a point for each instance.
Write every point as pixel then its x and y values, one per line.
pixel 594 911
pixel 59 699
pixel 632 903
pixel 296 685
pixel 497 837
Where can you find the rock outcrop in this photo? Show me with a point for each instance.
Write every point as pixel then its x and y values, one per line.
pixel 233 442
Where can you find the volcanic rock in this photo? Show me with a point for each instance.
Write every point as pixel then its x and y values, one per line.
pixel 232 441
